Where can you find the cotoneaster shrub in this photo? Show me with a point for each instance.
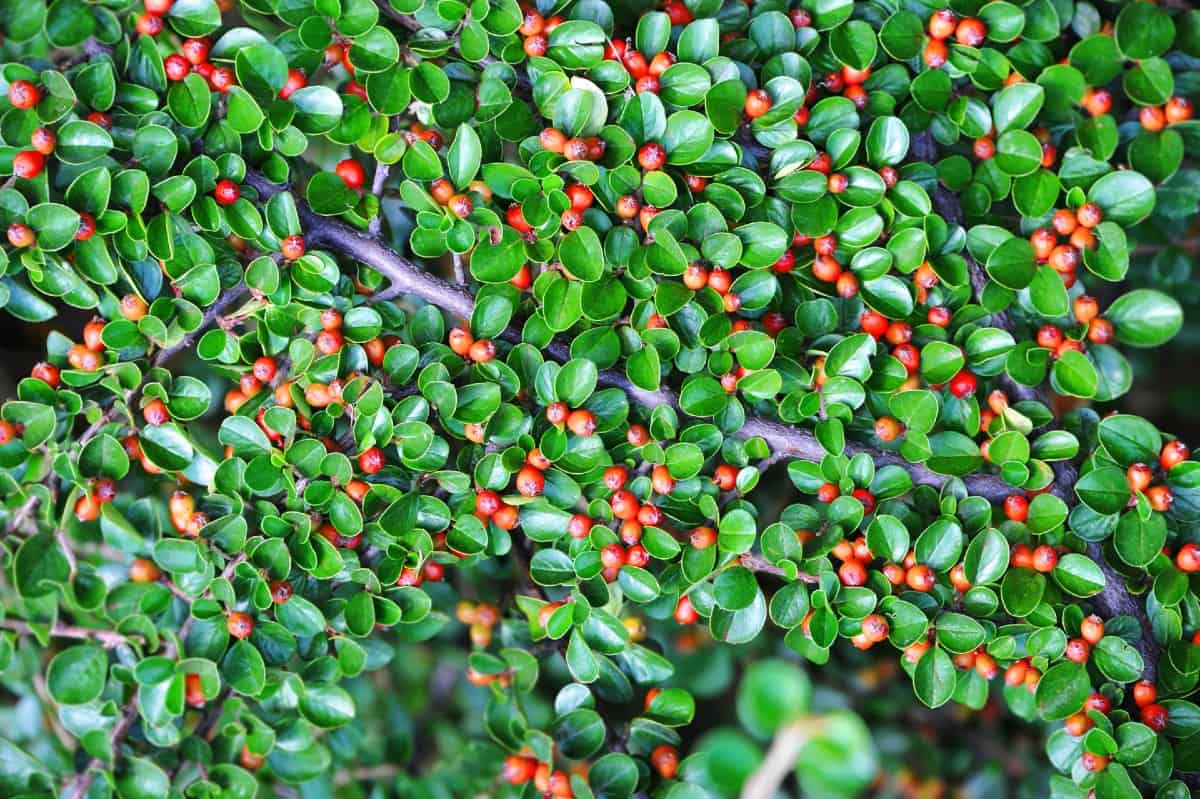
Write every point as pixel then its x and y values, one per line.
pixel 416 445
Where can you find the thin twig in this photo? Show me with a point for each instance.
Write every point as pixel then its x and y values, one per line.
pixel 780 760
pixel 381 175
pixel 65 740
pixel 220 305
pixel 107 638
pixel 22 513
pixel 758 563
pixel 83 781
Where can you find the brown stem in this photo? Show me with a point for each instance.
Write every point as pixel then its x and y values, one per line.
pixel 758 563
pixel 19 517
pixel 224 301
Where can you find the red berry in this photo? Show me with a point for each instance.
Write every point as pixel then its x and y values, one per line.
pixel 194 50
pixel 227 192
pixel 221 79
pixel 372 460
pixel 149 24
pixel 295 80
pixel 351 173
pixel 239 625
pixel 28 164
pixel 43 140
pixel 23 94
pixel 651 156
pixel 177 67
pixel 963 384
pixel 1016 507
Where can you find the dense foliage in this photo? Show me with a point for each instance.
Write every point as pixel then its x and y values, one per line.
pixel 417 444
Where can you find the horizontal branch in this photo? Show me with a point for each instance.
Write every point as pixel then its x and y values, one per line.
pixel 409 278
pixel 107 638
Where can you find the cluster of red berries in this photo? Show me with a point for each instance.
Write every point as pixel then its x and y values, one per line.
pixel 86 356
pixel 531 478
pixel 262 373
pixel 193 57
pixel 535 30
pixel 978 660
pixel 463 344
pixel 825 267
pixel 968 31
pixel 339 541
pixel 1156 117
pixel 430 570
pixel 99 493
pixel 587 148
pixel 417 132
pixel 581 199
pixel 481 618
pixel 848 82
pixel 856 555
pixel 516 220
pixel 899 334
pixel 1076 227
pixel 1145 696
pixel 1086 310
pixel 186 520
pixel 873 629
pixel 520 769
pixel 629 207
pixel 1141 475
pixel 579 421
pixel 1023 672
pixel 646 75
pixel 489 507
pixel 29 164
pixel 458 204
pixel 329 341
pixel 1042 558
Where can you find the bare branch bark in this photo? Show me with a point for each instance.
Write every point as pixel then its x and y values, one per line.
pixel 225 300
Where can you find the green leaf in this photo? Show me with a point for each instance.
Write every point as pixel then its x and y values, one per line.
pixel 1079 575
pixel 1062 691
pixel 76 676
pixel 934 678
pixel 464 156
pixel 1145 318
pixel 327 706
pixel 1125 197
pixel 582 255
